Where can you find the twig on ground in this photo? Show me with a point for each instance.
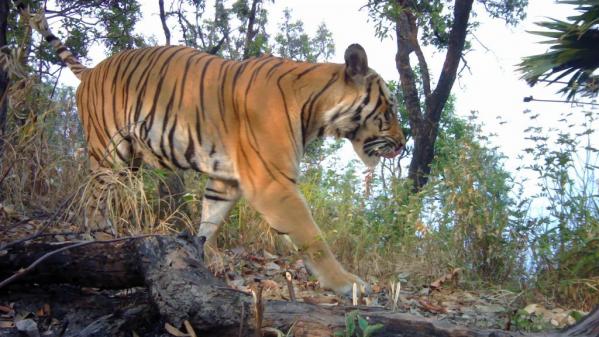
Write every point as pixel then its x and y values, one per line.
pixel 47 224
pixel 242 320
pixel 258 309
pixel 290 286
pixel 189 329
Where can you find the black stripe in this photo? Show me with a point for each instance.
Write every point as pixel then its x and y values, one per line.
pixel 379 102
pixel 185 72
pixel 202 85
pixel 114 94
pixel 300 75
pixel 190 151
pixel 272 70
pixel 134 69
pixel 198 126
pixel 51 38
pixel 303 119
pixel 289 123
pixel 210 189
pixel 221 94
pixel 165 118
pixel 247 90
pixel 332 80
pixel 161 73
pixel 153 58
pixel 171 139
pixel 214 197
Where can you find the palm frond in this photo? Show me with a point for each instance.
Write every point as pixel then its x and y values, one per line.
pixel 573 51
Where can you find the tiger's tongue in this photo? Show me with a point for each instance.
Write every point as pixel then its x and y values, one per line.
pixel 392 154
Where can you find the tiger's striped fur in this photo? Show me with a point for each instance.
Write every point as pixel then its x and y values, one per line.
pixel 244 124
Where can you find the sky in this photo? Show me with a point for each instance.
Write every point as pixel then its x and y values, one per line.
pixel 491 85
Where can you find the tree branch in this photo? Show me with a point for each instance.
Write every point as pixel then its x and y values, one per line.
pixel 167 32
pixel 403 27
pixel 251 33
pixel 457 38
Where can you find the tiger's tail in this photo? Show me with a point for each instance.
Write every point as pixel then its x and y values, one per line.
pixel 39 23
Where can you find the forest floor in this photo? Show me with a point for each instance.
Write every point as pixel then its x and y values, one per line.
pixel 63 310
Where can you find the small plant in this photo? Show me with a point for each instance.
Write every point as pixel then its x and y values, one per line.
pixel 523 321
pixel 363 328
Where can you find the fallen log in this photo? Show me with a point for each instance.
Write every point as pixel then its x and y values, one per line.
pixel 183 289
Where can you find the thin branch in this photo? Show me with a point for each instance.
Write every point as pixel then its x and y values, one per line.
pixel 465 66
pixel 44 227
pixel 457 38
pixel 75 7
pixel 426 79
pixel 216 49
pixel 480 42
pixel 56 82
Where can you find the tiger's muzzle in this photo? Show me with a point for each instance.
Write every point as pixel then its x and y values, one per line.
pixel 384 146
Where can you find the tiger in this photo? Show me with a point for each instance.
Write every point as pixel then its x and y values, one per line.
pixel 243 124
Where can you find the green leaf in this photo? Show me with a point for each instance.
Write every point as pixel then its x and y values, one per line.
pixel 576 315
pixel 362 323
pixel 372 329
pixel 350 323
pixel 188 197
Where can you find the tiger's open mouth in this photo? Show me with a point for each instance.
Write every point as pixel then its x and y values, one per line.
pixel 385 146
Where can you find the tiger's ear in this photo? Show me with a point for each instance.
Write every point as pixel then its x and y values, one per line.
pixel 356 62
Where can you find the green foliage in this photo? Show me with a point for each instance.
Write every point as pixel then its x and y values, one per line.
pixel 294 43
pixel 573 52
pixel 225 32
pixel 476 208
pixel 435 17
pixel 565 244
pixel 362 329
pixel 523 321
pixel 121 16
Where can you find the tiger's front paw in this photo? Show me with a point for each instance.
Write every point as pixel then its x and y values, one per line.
pixel 343 284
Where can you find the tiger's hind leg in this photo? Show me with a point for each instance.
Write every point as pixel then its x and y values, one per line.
pixel 96 220
pixel 104 177
pixel 219 197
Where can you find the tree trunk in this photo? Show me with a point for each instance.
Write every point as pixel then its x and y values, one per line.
pixel 424 121
pixel 251 33
pixel 422 157
pixel 183 289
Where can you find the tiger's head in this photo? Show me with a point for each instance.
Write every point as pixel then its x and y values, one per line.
pixel 368 117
